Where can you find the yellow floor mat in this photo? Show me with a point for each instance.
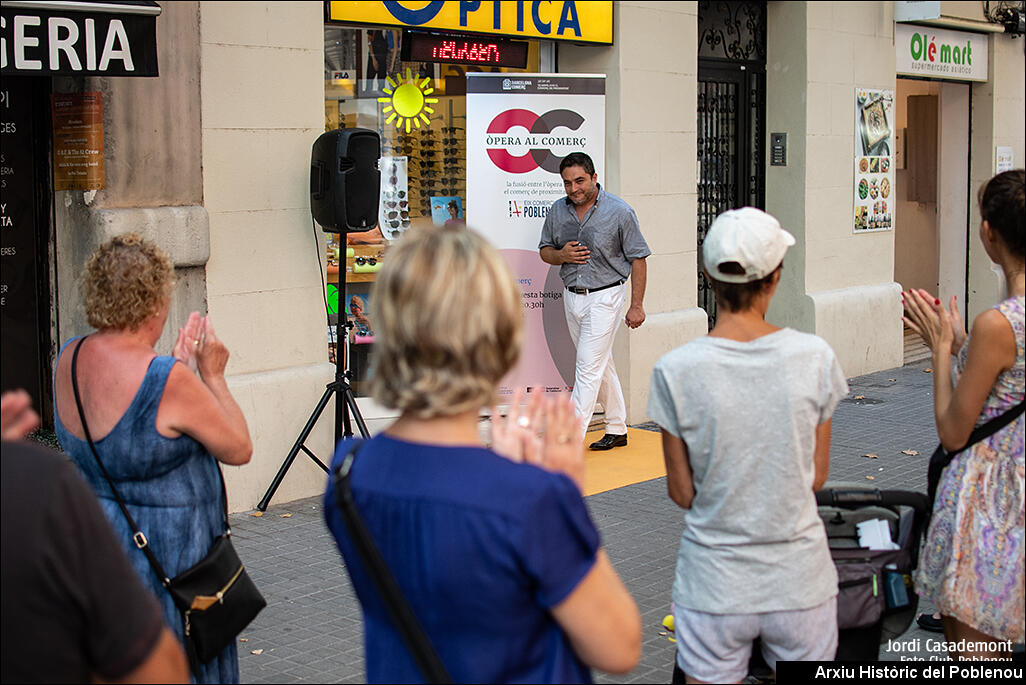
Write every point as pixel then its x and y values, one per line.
pixel 640 460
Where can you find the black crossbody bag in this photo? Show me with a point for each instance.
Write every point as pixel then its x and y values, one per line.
pixel 216 597
pixel 940 458
pixel 405 621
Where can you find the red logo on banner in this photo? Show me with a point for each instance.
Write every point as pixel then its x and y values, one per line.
pixel 535 158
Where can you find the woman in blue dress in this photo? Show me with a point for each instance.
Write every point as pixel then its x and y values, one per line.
pixel 493 548
pixel 159 428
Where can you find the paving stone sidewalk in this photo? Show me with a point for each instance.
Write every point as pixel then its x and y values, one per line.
pixel 311 629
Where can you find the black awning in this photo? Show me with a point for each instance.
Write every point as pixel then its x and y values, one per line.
pixel 79 38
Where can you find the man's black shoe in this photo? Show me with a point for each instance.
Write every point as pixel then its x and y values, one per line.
pixel 608 442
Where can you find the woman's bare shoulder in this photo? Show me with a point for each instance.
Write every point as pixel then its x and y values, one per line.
pixel 992 335
pixel 993 326
pixel 181 380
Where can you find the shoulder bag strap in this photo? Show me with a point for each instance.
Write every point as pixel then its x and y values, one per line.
pixel 941 458
pixel 412 632
pixel 137 535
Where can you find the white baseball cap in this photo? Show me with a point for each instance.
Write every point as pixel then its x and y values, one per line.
pixel 749 237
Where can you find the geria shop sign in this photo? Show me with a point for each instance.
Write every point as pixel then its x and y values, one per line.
pixel 941 54
pixel 77 43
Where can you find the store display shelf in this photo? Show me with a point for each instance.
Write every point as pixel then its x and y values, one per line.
pixel 368 252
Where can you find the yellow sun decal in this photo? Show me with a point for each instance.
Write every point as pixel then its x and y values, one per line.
pixel 407 100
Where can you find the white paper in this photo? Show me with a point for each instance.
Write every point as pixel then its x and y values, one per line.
pixel 875 534
pixel 1004 158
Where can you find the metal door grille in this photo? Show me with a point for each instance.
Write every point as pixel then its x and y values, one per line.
pixel 717 186
pixel 731 112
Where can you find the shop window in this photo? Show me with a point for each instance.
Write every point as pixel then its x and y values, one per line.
pixel 419 109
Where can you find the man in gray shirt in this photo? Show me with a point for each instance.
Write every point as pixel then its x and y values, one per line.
pixel 595 240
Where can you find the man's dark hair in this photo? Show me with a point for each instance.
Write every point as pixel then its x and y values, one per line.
pixel 737 297
pixel 578 159
pixel 1003 206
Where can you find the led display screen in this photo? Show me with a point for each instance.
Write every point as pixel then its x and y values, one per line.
pixel 460 49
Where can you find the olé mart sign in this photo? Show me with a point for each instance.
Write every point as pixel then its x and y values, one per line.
pixel 941 54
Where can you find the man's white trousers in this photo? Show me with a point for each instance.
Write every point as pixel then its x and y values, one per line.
pixel 593 320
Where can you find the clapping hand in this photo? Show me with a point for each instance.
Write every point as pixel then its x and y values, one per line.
pixel 548 434
pixel 199 348
pixel 189 340
pixel 941 329
pixel 211 354
pixel 516 436
pixel 957 326
pixel 563 442
pixel 17 417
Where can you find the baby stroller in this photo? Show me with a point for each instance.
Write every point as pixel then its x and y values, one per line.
pixel 876 601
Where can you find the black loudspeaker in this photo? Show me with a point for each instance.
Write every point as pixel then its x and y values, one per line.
pixel 345 181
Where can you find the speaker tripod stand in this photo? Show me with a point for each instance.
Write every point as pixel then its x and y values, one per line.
pixel 345 186
pixel 346 409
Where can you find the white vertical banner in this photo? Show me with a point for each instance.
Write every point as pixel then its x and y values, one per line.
pixel 519 128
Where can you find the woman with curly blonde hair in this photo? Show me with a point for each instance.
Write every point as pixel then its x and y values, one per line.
pixel 159 428
pixel 493 548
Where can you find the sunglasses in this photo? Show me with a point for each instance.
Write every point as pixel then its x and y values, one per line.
pixel 451 129
pixel 394 214
pixel 431 182
pixel 451 141
pixel 449 190
pixel 447 178
pixel 426 173
pixel 365 260
pixel 403 204
pixel 405 223
pixel 392 192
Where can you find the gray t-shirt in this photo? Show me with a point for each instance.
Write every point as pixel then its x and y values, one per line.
pixel 611 233
pixel 753 541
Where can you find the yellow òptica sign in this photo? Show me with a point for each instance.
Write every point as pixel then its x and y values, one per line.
pixel 580 21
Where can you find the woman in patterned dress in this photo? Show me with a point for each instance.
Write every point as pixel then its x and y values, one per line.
pixel 972 565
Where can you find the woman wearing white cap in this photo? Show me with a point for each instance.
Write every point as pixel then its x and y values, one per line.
pixel 745 416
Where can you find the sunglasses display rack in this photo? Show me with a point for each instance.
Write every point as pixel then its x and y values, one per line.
pixel 394 203
pixel 436 166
